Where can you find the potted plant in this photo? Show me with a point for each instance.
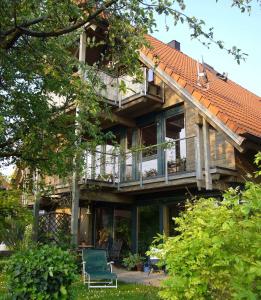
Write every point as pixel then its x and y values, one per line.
pixel 132 261
pixel 151 173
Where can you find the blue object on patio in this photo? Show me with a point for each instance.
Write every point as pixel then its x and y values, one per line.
pixel 97 272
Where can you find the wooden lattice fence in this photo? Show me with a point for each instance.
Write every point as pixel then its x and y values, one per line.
pixel 54 228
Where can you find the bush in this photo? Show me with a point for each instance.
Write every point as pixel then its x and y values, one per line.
pixel 217 254
pixel 15 220
pixel 132 261
pixel 41 273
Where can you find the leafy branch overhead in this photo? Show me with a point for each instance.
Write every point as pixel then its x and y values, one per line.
pixel 39 44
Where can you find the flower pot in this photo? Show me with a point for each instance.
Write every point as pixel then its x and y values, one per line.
pixel 139 267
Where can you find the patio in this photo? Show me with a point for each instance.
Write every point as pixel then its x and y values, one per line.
pixel 154 279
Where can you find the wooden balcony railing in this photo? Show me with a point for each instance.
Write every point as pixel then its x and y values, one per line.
pixel 113 93
pixel 139 165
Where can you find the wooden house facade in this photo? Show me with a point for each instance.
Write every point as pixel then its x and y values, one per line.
pixel 186 131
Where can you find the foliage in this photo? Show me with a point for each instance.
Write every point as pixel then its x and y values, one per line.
pixel 38 58
pixel 150 173
pixel 41 273
pixel 132 260
pixel 15 220
pixel 258 163
pixel 217 253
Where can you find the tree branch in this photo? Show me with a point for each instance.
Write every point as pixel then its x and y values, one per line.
pixel 69 28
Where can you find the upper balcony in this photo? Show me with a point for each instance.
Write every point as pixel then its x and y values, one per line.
pixel 137 96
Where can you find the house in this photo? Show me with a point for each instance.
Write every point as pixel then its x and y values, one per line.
pixel 186 131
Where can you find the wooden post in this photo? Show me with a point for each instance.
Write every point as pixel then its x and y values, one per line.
pixel 75 176
pixel 75 209
pixel 198 160
pixel 36 208
pixel 141 175
pixel 103 160
pixel 93 165
pixel 119 169
pixel 166 166
pixel 114 166
pixel 206 145
pixel 135 158
pixel 161 133
pixel 86 166
pixel 164 219
pixel 123 149
pixel 135 229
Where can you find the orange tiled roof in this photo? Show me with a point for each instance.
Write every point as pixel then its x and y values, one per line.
pixel 235 106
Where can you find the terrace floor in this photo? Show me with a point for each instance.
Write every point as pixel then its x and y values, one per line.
pixel 153 279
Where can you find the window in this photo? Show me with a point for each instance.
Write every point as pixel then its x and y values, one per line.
pixel 176 152
pixel 149 154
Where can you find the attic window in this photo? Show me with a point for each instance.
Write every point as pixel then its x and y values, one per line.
pixel 222 76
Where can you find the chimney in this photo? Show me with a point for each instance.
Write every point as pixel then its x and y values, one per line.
pixel 174 44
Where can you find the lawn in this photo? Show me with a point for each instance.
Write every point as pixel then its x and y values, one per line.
pixel 124 292
pixel 80 292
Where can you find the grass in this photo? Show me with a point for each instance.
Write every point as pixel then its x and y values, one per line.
pixel 123 292
pixel 81 292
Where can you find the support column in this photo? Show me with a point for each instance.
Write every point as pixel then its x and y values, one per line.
pixel 206 144
pixel 135 159
pixel 36 208
pixel 198 155
pixel 164 220
pixel 75 176
pixel 75 209
pixel 103 160
pixel 135 229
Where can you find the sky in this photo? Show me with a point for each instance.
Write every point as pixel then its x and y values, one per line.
pixel 230 26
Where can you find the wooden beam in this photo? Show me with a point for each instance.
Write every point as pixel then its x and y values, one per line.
pixel 75 177
pixel 75 209
pixel 135 229
pixel 164 220
pixel 115 119
pixel 103 196
pixel 198 155
pixel 206 145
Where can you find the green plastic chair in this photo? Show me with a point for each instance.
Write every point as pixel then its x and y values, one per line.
pixel 97 272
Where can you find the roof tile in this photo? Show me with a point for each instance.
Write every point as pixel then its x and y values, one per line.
pixel 234 105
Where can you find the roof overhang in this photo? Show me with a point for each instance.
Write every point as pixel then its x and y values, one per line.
pixel 234 138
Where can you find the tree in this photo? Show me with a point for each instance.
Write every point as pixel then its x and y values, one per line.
pixel 38 41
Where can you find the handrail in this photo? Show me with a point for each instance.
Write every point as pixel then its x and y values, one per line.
pixel 169 143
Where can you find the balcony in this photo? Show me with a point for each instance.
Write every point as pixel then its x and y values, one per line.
pixel 141 168
pixel 173 164
pixel 137 96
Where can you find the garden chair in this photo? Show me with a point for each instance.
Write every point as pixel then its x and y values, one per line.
pixel 97 272
pixel 115 250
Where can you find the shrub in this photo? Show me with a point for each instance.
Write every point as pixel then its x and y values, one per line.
pixel 217 254
pixel 14 220
pixel 41 273
pixel 132 260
